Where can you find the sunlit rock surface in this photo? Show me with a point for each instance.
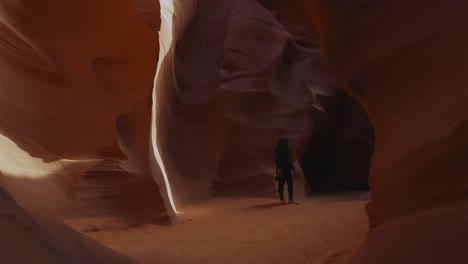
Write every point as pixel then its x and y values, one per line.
pixel 76 82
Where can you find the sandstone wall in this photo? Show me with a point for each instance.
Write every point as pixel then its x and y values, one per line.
pixel 406 62
pixel 239 77
pixel 76 89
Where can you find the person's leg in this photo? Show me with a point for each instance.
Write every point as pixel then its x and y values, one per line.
pixel 290 181
pixel 280 188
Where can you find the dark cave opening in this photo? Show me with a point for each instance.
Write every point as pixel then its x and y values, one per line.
pixel 338 156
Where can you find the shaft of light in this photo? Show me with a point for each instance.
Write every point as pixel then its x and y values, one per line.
pixel 165 42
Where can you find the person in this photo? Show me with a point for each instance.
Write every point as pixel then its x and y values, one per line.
pixel 284 169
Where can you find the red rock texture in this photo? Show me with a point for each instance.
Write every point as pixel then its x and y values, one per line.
pixel 76 91
pixel 76 87
pixel 406 62
pixel 411 81
pixel 257 76
pixel 32 238
pixel 58 70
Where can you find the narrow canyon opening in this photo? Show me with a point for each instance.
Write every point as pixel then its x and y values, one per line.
pixel 337 158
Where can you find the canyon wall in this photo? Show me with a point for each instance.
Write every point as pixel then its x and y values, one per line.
pixel 78 108
pixel 33 238
pixel 76 82
pixel 238 78
pixel 406 62
pixel 86 114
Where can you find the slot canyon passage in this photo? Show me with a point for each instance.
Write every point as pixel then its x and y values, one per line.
pixel 144 131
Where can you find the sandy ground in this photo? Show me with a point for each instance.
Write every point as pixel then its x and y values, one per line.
pixel 249 230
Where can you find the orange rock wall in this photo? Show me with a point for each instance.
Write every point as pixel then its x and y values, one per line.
pixel 76 89
pixel 257 76
pixel 406 62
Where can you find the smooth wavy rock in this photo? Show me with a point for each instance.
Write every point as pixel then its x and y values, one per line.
pixel 76 91
pixel 224 98
pixel 32 238
pixel 407 63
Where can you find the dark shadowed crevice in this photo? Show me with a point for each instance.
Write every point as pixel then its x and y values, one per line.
pixel 338 156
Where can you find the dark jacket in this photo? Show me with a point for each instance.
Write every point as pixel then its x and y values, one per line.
pixel 284 160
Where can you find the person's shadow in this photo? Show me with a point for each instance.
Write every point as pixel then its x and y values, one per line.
pixel 264 206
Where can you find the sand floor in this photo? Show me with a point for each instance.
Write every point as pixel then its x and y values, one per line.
pixel 249 230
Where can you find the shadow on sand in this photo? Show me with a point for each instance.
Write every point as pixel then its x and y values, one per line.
pixel 264 206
